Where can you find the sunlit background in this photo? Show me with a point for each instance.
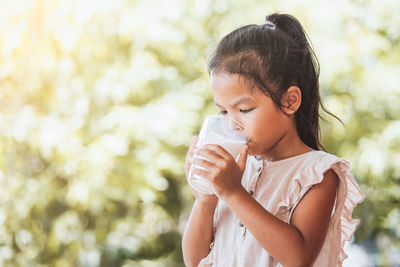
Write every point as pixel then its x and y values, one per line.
pixel 99 101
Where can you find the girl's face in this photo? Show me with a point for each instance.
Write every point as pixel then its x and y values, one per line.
pixel 265 125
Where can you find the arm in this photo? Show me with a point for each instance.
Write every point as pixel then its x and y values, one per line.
pixel 295 244
pixel 198 234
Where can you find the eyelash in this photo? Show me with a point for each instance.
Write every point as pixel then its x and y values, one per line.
pixel 223 112
pixel 246 110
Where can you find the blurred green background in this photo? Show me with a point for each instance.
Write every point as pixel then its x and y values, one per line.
pixel 99 101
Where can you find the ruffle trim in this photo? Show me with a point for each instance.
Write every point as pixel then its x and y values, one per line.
pixel 353 198
pixel 348 189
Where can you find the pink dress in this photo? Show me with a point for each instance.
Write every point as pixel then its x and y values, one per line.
pixel 279 186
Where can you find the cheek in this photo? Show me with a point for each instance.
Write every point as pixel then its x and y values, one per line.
pixel 256 130
pixel 263 127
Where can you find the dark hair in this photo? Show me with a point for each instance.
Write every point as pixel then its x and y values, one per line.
pixel 275 56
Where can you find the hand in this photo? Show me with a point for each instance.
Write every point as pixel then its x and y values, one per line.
pixel 203 199
pixel 222 172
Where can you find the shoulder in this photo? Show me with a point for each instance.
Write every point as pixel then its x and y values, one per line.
pixel 313 165
pixel 318 172
pixel 318 156
pixel 323 171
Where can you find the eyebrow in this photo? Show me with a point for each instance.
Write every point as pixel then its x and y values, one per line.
pixel 237 101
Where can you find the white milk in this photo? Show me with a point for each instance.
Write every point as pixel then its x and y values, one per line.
pixel 222 131
pixel 233 147
pixel 200 183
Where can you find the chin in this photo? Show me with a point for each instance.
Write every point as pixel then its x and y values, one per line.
pixel 252 152
pixel 255 150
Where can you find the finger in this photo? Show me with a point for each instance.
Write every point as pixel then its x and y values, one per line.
pixel 202 173
pixel 243 158
pixel 195 139
pixel 189 154
pixel 203 163
pixel 219 150
pixel 210 155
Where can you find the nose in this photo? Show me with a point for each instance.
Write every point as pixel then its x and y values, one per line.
pixel 237 126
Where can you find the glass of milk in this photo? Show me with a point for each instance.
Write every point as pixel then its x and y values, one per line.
pixel 223 131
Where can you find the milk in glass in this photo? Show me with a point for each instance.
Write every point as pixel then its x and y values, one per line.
pixel 222 131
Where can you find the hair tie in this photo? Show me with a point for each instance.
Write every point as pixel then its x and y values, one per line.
pixel 270 24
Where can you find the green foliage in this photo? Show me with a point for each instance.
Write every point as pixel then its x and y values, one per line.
pixel 99 101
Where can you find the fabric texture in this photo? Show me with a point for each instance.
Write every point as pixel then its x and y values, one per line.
pixel 279 186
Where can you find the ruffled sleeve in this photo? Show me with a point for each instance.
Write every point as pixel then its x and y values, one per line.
pixel 348 196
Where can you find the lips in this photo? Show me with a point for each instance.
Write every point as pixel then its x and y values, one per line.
pixel 248 141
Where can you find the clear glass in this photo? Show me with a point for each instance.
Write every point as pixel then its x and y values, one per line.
pixel 223 131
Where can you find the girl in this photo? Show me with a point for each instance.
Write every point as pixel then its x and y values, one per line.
pixel 284 202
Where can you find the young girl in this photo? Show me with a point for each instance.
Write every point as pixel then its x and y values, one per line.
pixel 284 202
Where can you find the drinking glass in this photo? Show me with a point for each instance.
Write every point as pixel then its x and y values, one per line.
pixel 223 131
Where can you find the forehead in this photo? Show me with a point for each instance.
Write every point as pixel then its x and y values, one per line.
pixel 226 87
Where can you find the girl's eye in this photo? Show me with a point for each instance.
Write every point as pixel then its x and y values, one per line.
pixel 223 112
pixel 246 110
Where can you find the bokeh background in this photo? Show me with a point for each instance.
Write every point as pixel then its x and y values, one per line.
pixel 99 101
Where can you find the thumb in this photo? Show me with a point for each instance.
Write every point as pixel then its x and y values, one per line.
pixel 243 158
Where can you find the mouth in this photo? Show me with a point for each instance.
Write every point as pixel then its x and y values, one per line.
pixel 249 145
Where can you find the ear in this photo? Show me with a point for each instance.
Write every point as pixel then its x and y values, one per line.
pixel 291 100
